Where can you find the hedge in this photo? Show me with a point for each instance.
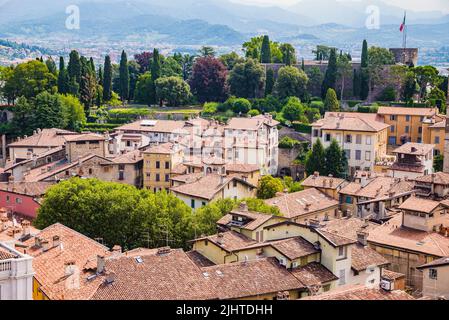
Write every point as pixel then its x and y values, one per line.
pixel 302 127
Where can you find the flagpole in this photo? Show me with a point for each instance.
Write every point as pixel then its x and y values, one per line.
pixel 404 39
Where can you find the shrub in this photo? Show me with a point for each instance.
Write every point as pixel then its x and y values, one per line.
pixel 210 107
pixel 253 112
pixel 288 143
pixel 241 105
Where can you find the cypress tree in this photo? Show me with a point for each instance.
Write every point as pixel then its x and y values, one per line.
pixel 315 160
pixel 155 74
pixel 265 54
pixel 364 74
pixel 356 84
pixel 330 77
pixel 100 76
pixel 92 65
pixel 303 66
pixel 124 77
pixel 63 78
pixel 331 102
pixel 333 160
pixel 269 82
pixel 107 79
pixel 74 67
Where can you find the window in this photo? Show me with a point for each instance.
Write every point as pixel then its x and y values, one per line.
pixel 407 129
pixel 167 165
pixel 18 200
pixel 128 143
pixel 348 153
pixel 348 138
pixel 148 174
pixel 158 177
pixel 358 139
pixel 420 129
pixel 7 199
pixel 407 118
pixel 203 203
pixel 341 252
pixel 158 164
pixel 91 171
pixel 437 140
pixel 368 140
pixel 392 141
pixel 342 277
pixel 167 178
pixel 234 183
pixel 294 265
pixel 192 203
pixel 433 274
pixel 315 133
pixel 368 155
pixel 328 137
pixel 121 175
pixel 358 155
pixel 392 128
pixel 392 117
pixel 348 200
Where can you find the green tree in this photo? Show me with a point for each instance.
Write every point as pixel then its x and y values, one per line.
pixel 206 51
pixel 291 81
pixel 293 109
pixel 48 111
pixel 23 121
pixel 344 68
pixel 315 159
pixel 63 77
pixel 172 90
pixel 364 72
pixel 51 65
pixel 74 66
pixel 231 59
pixel 144 89
pixel 330 78
pixel 426 76
pixel 241 105
pixel 186 62
pixel 378 58
pixel 288 54
pixel 253 50
pixel 269 82
pixel 247 79
pixel 155 69
pixel 268 187
pixel 87 86
pixel 331 102
pixel 117 213
pixel 316 78
pixel 29 79
pixel 73 113
pixel 124 77
pixel 333 161
pixel 107 80
pixel 265 54
pixel 438 163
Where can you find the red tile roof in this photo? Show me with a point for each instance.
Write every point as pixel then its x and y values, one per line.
pixel 361 292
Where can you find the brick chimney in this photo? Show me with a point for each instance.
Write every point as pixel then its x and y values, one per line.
pixel 45 245
pixel 101 261
pixel 243 207
pixel 362 238
pixel 220 238
pixel 69 267
pixel 26 228
pixel 56 241
pixel 116 250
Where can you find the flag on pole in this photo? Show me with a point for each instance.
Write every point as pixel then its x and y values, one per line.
pixel 403 23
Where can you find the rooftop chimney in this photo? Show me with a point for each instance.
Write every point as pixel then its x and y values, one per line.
pixel 69 267
pixel 101 261
pixel 314 223
pixel 163 251
pixel 56 241
pixel 362 238
pixel 117 250
pixel 220 238
pixel 37 242
pixel 26 228
pixel 45 245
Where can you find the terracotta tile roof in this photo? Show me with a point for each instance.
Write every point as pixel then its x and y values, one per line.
pixel 242 167
pixel 351 121
pixel 439 125
pixel 348 227
pixel 11 165
pixel 391 234
pixel 163 126
pixel 441 178
pixel 419 149
pixel 6 254
pixel 171 276
pixel 323 182
pixel 255 219
pixel 45 138
pixel 364 257
pixel 425 112
pixel 174 276
pixel 335 239
pixel 361 292
pixel 200 260
pixel 128 157
pixel 419 205
pixel 302 203
pixel 163 148
pixel 391 275
pixel 436 263
pixel 49 266
pixel 294 248
pixel 32 189
pixel 351 189
pixel 229 241
pixel 206 187
pixel 253 123
pixel 313 274
pixel 249 279
pixel 188 178
pixel 179 169
pixel 86 137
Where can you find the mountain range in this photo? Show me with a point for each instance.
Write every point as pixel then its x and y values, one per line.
pixel 221 22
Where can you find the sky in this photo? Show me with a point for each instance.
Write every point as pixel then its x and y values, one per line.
pixel 416 5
